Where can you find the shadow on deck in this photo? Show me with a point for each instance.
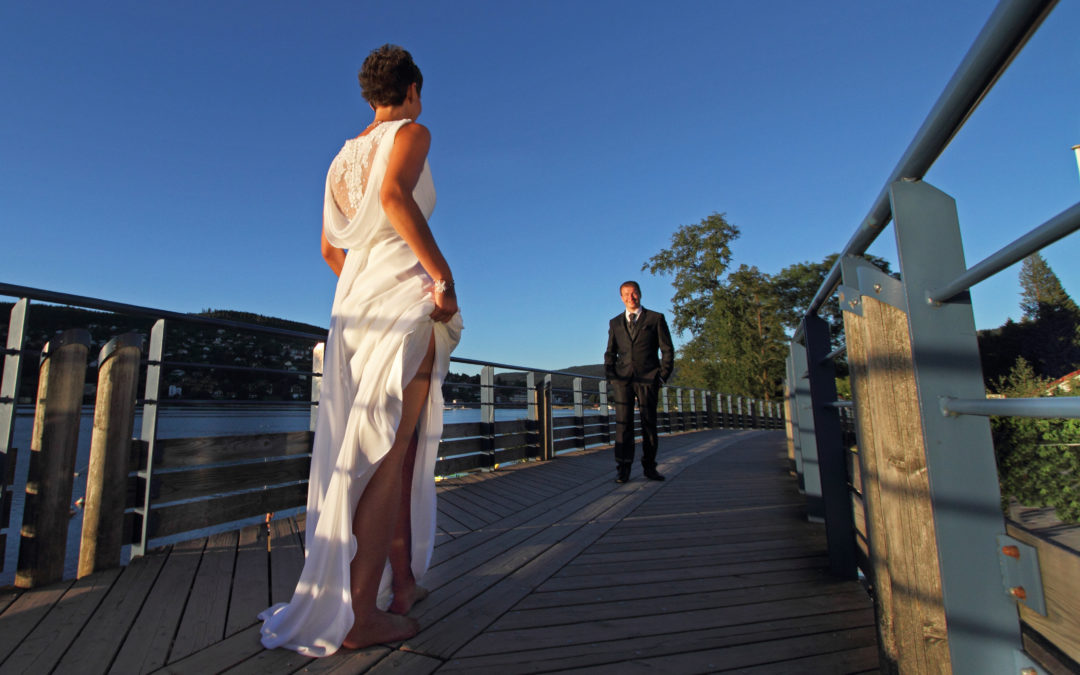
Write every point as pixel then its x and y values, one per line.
pixel 538 567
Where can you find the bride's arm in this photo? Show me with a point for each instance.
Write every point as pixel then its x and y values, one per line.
pixel 334 256
pixel 403 171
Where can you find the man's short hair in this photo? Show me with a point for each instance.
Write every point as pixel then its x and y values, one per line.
pixel 630 283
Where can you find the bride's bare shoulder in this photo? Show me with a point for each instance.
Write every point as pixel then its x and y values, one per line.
pixel 414 132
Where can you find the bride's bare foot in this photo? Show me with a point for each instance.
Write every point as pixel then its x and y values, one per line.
pixel 404 600
pixel 380 627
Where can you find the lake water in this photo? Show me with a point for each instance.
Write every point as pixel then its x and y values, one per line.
pixel 211 419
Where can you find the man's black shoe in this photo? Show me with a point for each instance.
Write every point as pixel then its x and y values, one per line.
pixel 653 475
pixel 622 476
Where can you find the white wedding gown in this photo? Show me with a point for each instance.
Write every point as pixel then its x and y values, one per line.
pixel 380 329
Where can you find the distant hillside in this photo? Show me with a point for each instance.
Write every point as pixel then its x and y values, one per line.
pixel 190 349
pixel 273 322
pixel 210 363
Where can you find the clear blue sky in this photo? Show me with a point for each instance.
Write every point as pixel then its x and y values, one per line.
pixel 174 154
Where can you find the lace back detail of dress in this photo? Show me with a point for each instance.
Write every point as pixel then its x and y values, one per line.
pixel 350 169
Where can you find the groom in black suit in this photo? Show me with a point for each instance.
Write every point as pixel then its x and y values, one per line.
pixel 632 367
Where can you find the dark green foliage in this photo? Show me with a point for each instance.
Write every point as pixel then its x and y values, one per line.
pixel 698 258
pixel 1038 459
pixel 1047 337
pixel 740 322
pixel 796 285
pixel 737 338
pixel 1041 290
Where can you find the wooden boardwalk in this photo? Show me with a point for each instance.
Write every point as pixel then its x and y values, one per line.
pixel 539 567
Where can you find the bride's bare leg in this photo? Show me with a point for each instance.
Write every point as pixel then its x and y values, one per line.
pixel 375 520
pixel 406 592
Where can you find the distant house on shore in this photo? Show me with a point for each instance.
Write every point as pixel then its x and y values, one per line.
pixel 1063 384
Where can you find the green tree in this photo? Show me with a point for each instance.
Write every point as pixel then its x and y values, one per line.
pixel 737 338
pixel 1037 459
pixel 797 285
pixel 698 258
pixel 1041 292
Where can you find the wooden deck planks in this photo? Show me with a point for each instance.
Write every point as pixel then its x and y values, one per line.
pixel 524 659
pixel 538 567
pixel 41 650
pixel 253 568
pixel 204 618
pixel 103 634
pixel 286 559
pixel 147 645
pixel 24 614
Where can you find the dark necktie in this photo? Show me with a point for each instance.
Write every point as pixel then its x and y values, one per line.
pixel 633 325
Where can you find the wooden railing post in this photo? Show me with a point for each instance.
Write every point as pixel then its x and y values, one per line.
pixel 110 453
pixel 9 399
pixel 47 509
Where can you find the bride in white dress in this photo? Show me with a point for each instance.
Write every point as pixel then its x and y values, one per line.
pixel 371 496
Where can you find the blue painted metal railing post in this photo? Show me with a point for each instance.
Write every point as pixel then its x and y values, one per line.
pixel 981 618
pixel 9 399
pixel 148 433
pixel 316 381
pixel 810 476
pixel 532 406
pixel 579 411
pixel 665 409
pixel 605 410
pixel 547 442
pixel 828 436
pixel 487 411
pixel 692 411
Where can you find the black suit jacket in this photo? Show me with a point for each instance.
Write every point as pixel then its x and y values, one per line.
pixel 634 359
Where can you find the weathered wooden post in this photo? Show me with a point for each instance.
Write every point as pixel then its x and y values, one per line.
pixel 929 480
pixel 47 510
pixel 110 451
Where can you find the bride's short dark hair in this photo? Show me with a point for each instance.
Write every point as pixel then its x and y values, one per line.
pixel 386 75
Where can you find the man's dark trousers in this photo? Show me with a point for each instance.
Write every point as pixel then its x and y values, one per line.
pixel 637 360
pixel 624 394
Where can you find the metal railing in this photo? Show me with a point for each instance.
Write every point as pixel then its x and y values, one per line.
pixel 922 484
pixel 177 487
